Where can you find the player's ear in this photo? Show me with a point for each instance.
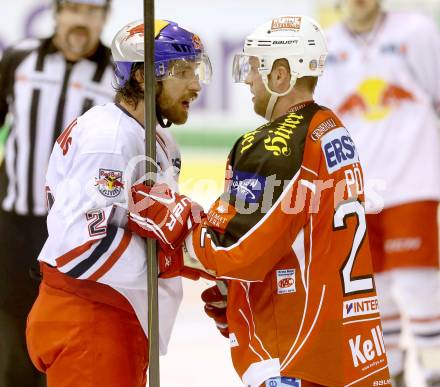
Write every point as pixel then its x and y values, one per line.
pixel 280 75
pixel 283 73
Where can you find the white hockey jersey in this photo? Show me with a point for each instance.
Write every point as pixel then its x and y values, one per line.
pixel 385 86
pixel 92 167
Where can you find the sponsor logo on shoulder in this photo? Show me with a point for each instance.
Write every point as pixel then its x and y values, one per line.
pixel 360 307
pixel 109 182
pixel 286 281
pixel 323 128
pixel 339 149
pixel 247 186
pixel 367 348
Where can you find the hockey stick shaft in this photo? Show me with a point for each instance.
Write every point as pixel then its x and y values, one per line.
pixel 150 152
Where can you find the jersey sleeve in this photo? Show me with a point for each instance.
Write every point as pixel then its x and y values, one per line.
pixel 423 53
pixel 249 227
pixel 85 238
pixel 84 203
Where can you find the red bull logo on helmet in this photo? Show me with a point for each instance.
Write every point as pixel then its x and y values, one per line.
pixel 375 99
pixel 136 30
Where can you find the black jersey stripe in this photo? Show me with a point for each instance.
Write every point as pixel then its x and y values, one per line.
pixel 101 64
pixel 33 120
pixel 59 118
pixel 101 249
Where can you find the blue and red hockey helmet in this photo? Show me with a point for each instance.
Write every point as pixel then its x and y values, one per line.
pixel 173 44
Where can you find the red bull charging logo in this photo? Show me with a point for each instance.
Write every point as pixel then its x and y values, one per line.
pixel 375 99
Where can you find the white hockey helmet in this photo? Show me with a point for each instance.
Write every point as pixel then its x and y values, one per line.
pixel 298 39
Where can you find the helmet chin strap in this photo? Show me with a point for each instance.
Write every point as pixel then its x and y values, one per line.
pixel 161 121
pixel 274 96
pixel 270 105
pixel 159 116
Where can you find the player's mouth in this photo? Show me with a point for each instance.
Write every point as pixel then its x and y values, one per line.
pixel 188 101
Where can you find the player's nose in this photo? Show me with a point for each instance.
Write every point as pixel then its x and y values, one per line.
pixel 194 85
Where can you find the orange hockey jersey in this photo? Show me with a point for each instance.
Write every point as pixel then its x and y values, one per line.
pixel 290 237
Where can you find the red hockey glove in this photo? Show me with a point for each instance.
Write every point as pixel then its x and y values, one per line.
pixel 175 263
pixel 160 213
pixel 215 306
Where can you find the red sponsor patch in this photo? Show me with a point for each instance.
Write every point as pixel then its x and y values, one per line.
pixel 285 283
pixel 286 23
pixel 323 128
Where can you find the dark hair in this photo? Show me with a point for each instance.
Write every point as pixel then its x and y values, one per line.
pixel 131 92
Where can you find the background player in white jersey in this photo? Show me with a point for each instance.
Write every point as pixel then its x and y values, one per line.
pixel 88 324
pixel 383 78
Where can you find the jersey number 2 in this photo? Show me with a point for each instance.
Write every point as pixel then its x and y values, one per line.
pixel 352 285
pixel 95 218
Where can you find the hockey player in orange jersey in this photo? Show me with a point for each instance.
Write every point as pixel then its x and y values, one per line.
pixel 383 78
pixel 288 235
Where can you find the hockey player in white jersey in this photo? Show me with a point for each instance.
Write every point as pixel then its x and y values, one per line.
pixel 88 325
pixel 383 78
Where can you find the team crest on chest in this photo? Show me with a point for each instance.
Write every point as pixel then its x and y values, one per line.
pixel 109 182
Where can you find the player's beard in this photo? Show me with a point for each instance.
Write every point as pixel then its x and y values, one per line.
pixel 175 111
pixel 78 40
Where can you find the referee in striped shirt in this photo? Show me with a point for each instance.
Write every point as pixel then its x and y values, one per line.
pixel 44 84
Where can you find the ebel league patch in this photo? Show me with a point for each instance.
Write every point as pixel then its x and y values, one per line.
pixel 109 182
pixel 286 281
pixel 247 186
pixel 339 149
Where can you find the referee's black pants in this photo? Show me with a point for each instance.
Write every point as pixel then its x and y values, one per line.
pixel 21 239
